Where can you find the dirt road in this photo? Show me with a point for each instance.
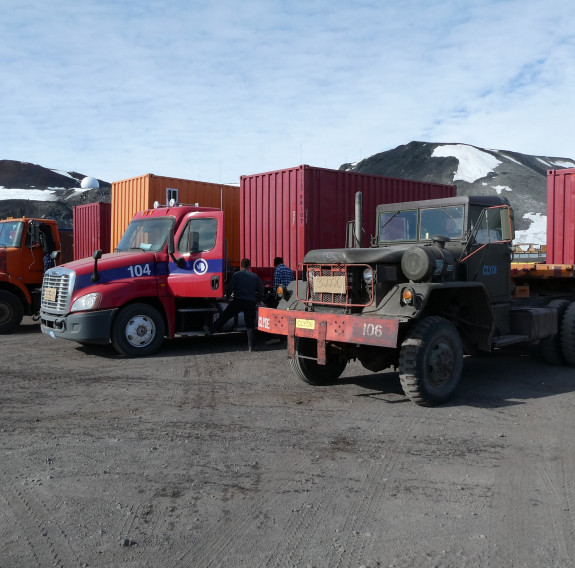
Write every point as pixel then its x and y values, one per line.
pixel 207 455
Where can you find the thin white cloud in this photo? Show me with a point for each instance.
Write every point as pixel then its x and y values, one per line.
pixel 205 90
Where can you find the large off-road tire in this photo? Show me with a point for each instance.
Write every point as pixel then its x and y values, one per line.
pixel 11 311
pixel 550 349
pixel 567 335
pixel 138 330
pixel 308 370
pixel 430 361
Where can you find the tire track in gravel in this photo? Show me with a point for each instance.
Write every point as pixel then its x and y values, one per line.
pixel 220 537
pixel 47 541
pixel 545 491
pixel 350 548
pixel 371 496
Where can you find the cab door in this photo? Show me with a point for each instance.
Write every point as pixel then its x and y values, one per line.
pixel 199 266
pixel 489 252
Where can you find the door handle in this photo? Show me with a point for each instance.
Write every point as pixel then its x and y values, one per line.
pixel 215 282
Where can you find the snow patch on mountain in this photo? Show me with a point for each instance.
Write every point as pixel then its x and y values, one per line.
pixel 50 194
pixel 537 232
pixel 474 164
pixel 500 188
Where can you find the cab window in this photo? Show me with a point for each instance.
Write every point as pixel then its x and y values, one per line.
pixel 446 221
pixel 398 226
pixel 199 235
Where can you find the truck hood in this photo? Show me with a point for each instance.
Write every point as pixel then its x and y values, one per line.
pixel 390 254
pixel 110 261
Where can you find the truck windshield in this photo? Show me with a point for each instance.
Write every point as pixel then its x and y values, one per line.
pixel 146 234
pixel 11 233
pixel 398 226
pixel 446 221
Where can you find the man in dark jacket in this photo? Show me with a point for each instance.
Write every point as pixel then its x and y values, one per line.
pixel 247 289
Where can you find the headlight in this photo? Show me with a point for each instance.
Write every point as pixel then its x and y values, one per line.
pixel 283 293
pixel 407 296
pixel 368 276
pixel 87 302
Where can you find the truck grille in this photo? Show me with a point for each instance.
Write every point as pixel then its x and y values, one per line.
pixel 337 285
pixel 57 287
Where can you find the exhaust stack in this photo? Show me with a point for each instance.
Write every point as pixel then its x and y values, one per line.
pixel 358 219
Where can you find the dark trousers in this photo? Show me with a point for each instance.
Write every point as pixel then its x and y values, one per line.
pixel 234 308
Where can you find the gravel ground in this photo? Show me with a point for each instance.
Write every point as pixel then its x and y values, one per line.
pixel 206 455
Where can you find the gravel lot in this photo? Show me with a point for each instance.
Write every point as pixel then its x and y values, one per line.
pixel 206 455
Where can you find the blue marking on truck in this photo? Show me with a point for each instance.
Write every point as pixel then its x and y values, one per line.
pixel 198 266
pixel 119 273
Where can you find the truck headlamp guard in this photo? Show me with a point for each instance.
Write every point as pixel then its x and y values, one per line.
pixel 407 296
pixel 283 293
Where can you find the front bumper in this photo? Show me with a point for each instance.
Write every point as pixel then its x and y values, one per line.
pixel 84 327
pixel 341 328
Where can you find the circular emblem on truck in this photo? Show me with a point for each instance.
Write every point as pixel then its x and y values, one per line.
pixel 200 266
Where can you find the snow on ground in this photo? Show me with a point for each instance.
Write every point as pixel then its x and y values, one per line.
pixel 50 194
pixel 63 173
pixel 537 231
pixel 474 164
pixel 557 164
pixel 500 188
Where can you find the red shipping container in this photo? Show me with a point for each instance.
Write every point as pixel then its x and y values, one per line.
pixel 92 229
pixel 561 216
pixel 66 245
pixel 289 212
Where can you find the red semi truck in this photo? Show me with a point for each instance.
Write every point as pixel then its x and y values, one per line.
pixel 166 277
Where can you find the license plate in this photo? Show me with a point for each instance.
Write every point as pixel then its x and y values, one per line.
pixel 50 294
pixel 329 284
pixel 305 324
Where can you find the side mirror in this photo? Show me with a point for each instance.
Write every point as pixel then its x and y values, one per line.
pixel 97 257
pixel 180 262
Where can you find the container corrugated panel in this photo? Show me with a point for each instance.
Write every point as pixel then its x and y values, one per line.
pixel 66 245
pixel 561 216
pixel 139 193
pixel 289 212
pixel 92 224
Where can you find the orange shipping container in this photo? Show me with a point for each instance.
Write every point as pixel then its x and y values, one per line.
pixel 139 193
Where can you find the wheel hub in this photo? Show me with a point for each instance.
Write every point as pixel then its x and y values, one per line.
pixel 140 331
pixel 441 363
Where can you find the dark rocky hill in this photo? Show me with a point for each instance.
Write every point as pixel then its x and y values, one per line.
pixel 35 191
pixel 521 178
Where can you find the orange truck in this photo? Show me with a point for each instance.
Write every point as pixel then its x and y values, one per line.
pixel 22 268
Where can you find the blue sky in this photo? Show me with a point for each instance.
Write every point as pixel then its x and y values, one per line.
pixel 216 89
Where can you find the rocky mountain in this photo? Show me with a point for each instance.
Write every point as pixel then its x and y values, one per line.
pixel 521 178
pixel 35 191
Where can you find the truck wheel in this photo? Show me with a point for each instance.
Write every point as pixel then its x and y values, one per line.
pixel 567 334
pixel 308 370
pixel 11 312
pixel 550 349
pixel 430 361
pixel 138 330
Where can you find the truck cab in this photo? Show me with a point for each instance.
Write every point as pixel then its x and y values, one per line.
pixel 166 277
pixel 22 268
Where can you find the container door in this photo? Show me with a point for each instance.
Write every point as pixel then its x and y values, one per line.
pixel 199 252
